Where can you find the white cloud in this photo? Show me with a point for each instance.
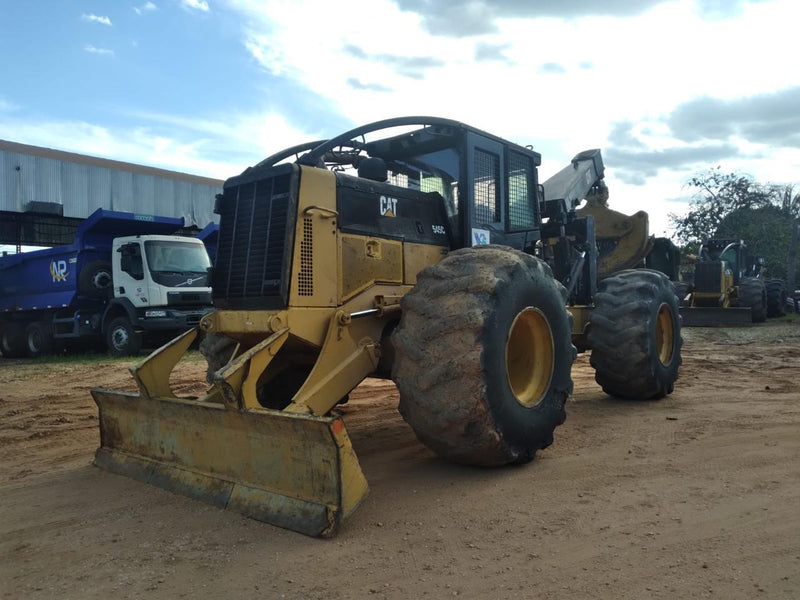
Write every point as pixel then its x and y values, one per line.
pixel 94 50
pixel 188 147
pixel 138 146
pixel 368 62
pixel 96 19
pixel 200 5
pixel 250 136
pixel 146 7
pixel 642 68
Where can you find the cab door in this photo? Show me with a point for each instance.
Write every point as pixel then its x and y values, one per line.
pixel 129 273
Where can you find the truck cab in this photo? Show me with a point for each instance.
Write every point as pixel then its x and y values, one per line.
pixel 160 285
pixel 125 279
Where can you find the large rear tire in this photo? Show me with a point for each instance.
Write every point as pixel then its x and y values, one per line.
pixel 12 340
pixel 635 333
pixel 753 293
pixel 483 356
pixel 38 339
pixel 776 297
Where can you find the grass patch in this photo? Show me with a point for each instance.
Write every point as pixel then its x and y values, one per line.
pixel 88 358
pixel 788 318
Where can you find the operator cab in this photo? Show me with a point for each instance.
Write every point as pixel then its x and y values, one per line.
pixel 730 252
pixel 446 177
pixel 419 180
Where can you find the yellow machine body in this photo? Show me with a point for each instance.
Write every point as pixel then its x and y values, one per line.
pixel 722 296
pixel 623 240
pixel 265 439
pixel 715 299
pixel 293 467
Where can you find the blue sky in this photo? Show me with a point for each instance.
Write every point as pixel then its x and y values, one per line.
pixel 174 70
pixel 666 88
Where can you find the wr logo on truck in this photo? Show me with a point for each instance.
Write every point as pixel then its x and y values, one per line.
pixel 58 269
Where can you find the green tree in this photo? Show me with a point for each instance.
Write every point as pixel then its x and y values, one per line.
pixel 717 195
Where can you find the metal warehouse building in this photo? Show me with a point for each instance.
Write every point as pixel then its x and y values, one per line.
pixel 45 193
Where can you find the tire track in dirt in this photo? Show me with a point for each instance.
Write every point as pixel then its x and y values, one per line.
pixel 693 496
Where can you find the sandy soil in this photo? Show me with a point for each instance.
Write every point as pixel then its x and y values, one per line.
pixel 693 496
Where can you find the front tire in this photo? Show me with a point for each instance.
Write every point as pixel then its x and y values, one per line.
pixel 483 356
pixel 635 333
pixel 122 339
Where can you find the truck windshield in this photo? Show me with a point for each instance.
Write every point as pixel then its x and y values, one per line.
pixel 174 263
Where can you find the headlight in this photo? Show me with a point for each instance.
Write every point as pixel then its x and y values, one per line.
pixel 155 313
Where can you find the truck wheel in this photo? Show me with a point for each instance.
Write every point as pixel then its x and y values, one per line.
pixel 38 339
pixel 776 297
pixel 635 333
pixel 12 340
pixel 121 338
pixel 95 280
pixel 483 356
pixel 753 293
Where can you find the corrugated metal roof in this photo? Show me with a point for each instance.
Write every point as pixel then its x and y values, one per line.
pixel 84 159
pixel 81 184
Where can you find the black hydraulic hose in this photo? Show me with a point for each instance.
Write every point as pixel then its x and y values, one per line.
pixel 573 274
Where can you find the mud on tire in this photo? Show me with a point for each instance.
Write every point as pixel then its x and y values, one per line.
pixel 453 366
pixel 635 333
pixel 753 293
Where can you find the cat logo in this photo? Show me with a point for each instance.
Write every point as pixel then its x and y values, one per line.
pixel 388 206
pixel 58 269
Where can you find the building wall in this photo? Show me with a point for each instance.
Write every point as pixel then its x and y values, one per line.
pixel 81 184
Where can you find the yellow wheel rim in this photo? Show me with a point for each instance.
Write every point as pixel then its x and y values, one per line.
pixel 665 338
pixel 529 356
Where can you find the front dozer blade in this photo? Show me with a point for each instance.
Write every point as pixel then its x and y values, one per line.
pixel 712 316
pixel 296 471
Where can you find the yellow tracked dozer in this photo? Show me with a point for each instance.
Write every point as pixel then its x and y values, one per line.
pixel 427 255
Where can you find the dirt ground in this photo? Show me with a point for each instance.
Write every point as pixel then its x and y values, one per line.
pixel 693 496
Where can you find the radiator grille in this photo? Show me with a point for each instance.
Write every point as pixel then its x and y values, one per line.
pixel 305 277
pixel 707 277
pixel 253 242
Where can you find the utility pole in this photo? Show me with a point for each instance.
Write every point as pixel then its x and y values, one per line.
pixel 791 257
